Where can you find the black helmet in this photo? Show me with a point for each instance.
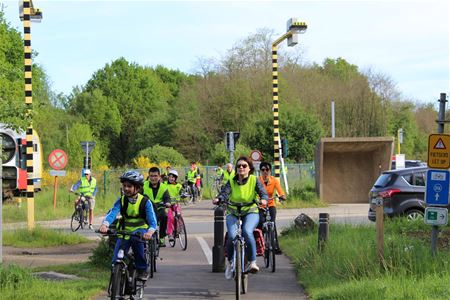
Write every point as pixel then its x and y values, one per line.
pixel 132 176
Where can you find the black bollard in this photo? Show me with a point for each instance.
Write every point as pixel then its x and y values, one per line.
pixel 218 255
pixel 323 230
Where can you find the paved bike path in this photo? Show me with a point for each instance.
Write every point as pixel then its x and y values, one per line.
pixel 188 275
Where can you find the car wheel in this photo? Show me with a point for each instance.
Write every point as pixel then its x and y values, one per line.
pixel 414 214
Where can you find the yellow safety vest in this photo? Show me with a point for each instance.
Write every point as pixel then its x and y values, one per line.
pixel 131 217
pixel 87 188
pixel 244 193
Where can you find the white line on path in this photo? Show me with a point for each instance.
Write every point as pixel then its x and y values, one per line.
pixel 205 249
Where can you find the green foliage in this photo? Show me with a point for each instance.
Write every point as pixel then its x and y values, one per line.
pixel 102 255
pixel 158 154
pixel 349 268
pixel 221 156
pixel 14 277
pixel 41 237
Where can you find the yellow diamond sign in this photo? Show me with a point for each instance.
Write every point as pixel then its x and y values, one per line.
pixel 439 151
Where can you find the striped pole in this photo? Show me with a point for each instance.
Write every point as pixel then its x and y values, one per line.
pixel 29 105
pixel 276 120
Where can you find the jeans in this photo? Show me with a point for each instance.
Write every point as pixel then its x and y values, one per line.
pixel 249 223
pixel 138 249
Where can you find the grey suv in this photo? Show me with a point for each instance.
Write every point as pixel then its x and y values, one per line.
pixel 402 191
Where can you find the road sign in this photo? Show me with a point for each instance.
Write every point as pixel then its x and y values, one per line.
pixel 58 159
pixel 255 155
pixel 58 173
pixel 436 216
pixel 437 187
pixel 87 146
pixel 439 151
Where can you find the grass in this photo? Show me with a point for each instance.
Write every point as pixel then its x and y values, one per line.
pixel 348 268
pixel 43 204
pixel 20 283
pixel 40 237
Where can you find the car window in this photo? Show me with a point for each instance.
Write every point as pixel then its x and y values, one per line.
pixel 408 178
pixel 383 180
pixel 419 179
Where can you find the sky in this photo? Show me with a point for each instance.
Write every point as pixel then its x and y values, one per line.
pixel 406 40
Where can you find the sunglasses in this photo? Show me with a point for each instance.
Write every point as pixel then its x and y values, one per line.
pixel 242 166
pixel 264 169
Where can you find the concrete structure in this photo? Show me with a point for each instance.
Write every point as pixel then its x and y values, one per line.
pixel 346 168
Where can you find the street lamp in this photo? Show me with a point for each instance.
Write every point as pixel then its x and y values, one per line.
pixel 293 29
pixel 27 13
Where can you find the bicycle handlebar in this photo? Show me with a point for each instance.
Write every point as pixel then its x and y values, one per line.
pixel 113 232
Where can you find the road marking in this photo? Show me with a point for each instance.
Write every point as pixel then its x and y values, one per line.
pixel 205 249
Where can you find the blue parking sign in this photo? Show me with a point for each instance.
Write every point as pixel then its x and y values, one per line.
pixel 437 187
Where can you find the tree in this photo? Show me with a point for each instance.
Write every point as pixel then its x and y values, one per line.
pixel 158 154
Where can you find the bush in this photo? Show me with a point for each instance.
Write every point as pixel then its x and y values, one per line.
pixel 158 154
pixel 102 255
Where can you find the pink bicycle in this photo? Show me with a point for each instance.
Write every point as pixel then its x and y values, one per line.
pixel 176 229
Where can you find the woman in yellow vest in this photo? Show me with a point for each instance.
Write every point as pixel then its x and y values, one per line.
pixel 137 216
pixel 242 188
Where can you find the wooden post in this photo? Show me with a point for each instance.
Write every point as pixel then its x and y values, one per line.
pixel 55 188
pixel 380 229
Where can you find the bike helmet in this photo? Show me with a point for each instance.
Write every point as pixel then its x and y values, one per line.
pixel 173 172
pixel 132 176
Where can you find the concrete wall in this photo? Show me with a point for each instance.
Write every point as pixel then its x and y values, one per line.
pixel 346 168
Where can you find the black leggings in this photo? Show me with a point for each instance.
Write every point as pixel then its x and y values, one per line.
pixel 161 215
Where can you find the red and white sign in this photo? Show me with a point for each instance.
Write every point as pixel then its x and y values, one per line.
pixel 255 155
pixel 58 159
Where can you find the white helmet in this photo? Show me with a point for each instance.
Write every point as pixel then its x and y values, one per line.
pixel 87 172
pixel 173 172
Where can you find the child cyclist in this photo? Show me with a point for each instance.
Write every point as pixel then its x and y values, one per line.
pixel 174 188
pixel 137 216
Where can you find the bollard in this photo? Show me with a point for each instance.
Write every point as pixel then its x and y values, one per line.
pixel 323 230
pixel 218 254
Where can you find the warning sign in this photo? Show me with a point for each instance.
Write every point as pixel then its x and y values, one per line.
pixel 438 151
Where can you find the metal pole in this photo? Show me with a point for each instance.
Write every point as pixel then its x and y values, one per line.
pixel 276 120
pixel 440 129
pixel 86 163
pixel 323 230
pixel 333 128
pixel 29 105
pixel 218 252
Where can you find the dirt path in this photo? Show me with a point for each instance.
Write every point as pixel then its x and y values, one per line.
pixel 36 257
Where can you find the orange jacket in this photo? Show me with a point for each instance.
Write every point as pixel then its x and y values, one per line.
pixel 270 186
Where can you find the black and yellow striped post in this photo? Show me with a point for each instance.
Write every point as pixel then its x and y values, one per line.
pixel 293 28
pixel 27 14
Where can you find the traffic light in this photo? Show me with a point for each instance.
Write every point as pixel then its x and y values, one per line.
pixel 231 138
pixel 89 163
pixel 284 148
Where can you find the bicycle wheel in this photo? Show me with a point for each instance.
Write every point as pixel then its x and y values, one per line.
pixel 151 256
pixel 272 250
pixel 267 248
pixel 238 269
pixel 182 235
pixel 172 241
pixel 117 282
pixel 244 278
pixel 85 213
pixel 74 222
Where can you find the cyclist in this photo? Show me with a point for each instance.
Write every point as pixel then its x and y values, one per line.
pixel 174 188
pixel 87 186
pixel 219 172
pixel 242 188
pixel 137 216
pixel 193 176
pixel 272 185
pixel 228 173
pixel 157 192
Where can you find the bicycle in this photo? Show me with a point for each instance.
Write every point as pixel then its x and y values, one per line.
pixel 270 238
pixel 216 185
pixel 81 213
pixel 239 258
pixel 186 193
pixel 177 229
pixel 123 281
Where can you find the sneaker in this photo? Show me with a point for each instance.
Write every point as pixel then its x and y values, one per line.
pixel 229 270
pixel 171 239
pixel 142 275
pixel 252 267
pixel 91 227
pixel 162 242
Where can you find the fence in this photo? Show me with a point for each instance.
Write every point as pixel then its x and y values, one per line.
pixel 296 173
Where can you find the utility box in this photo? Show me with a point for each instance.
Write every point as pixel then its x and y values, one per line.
pixel 347 168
